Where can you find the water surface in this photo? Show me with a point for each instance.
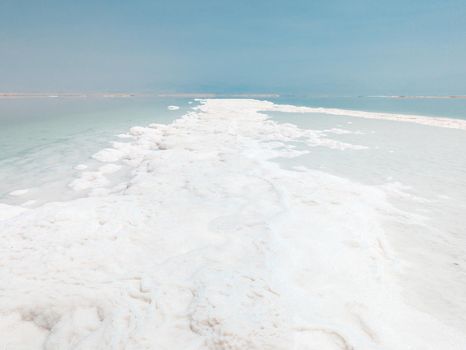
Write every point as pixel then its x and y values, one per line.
pixel 42 140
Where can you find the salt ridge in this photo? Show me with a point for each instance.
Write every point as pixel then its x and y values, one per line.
pixel 210 244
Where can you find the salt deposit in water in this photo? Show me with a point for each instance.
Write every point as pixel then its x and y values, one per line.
pixel 210 244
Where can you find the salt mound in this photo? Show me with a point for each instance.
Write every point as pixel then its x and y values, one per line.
pixel 19 192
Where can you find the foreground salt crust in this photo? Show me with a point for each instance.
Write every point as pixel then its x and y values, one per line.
pixel 211 245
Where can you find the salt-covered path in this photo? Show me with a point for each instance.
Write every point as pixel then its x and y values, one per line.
pixel 210 244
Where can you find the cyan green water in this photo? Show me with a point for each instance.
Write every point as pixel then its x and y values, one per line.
pixel 41 140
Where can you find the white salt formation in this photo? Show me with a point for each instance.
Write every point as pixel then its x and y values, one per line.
pixel 80 167
pixel 211 244
pixel 19 192
pixel 411 118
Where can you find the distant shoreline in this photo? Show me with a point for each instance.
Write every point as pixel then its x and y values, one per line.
pixel 421 97
pixel 16 95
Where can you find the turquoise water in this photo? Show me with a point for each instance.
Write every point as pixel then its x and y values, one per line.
pixel 28 124
pixel 42 140
pixel 450 108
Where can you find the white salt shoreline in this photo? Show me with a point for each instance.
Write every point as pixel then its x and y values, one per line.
pixel 212 245
pixel 410 118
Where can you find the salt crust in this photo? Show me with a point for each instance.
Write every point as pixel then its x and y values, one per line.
pixel 211 245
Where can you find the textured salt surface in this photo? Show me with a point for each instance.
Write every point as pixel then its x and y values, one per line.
pixel 212 245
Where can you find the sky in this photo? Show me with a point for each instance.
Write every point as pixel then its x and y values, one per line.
pixel 339 47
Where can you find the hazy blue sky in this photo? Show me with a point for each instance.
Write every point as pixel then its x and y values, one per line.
pixel 306 46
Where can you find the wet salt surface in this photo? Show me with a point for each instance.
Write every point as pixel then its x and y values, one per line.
pixel 231 230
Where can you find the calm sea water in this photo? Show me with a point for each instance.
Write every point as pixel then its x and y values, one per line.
pixel 42 140
pixel 451 108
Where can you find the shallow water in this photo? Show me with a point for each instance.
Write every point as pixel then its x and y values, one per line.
pixel 450 108
pixel 42 140
pixel 429 159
